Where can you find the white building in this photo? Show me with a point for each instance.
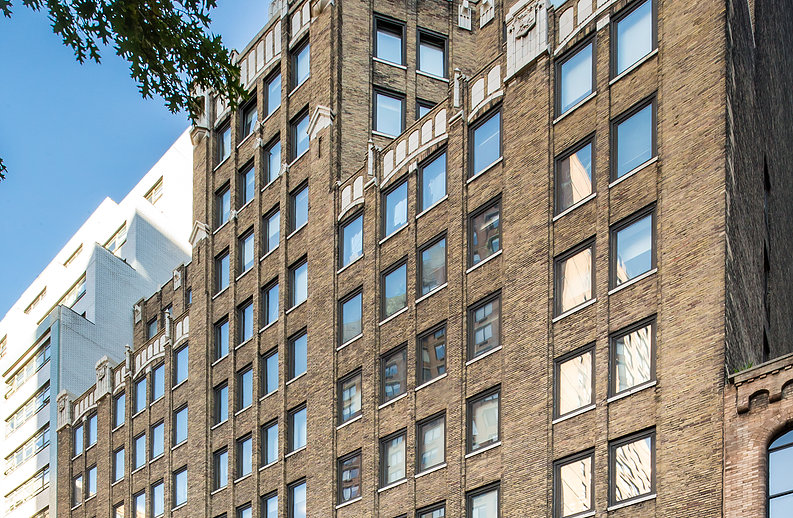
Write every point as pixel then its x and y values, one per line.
pixel 78 310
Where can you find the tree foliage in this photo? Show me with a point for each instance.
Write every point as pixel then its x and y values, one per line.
pixel 167 43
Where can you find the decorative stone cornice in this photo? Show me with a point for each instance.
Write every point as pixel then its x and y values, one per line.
pixel 770 377
pixel 200 232
pixel 320 119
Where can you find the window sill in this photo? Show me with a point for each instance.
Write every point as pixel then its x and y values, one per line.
pixel 117 428
pixel 385 135
pixel 574 413
pixel 483 261
pixel 349 264
pixel 637 500
pixel 445 197
pixel 220 164
pixel 585 514
pixel 293 452
pixel 633 171
pixel 295 160
pixel 483 355
pixel 482 450
pixel 574 206
pixel 273 463
pixel 267 395
pixel 633 281
pixel 240 276
pixel 268 326
pixel 348 342
pixel 271 182
pixel 238 480
pixel 392 234
pixel 574 310
pixel 391 63
pixel 175 446
pixel 354 419
pixel 295 306
pixel 575 107
pixel 269 115
pixel 173 509
pixel 246 204
pixel 297 87
pixel 76 506
pixel 484 170
pixel 221 226
pixel 90 497
pixel 392 485
pixel 392 317
pixel 218 490
pixel 392 401
pixel 112 484
pixel 633 67
pixel 268 254
pixel 158 457
pixel 631 391
pixel 296 378
pixel 221 292
pixel 432 292
pixel 349 502
pixel 136 470
pixel 243 344
pixel 218 425
pixel 431 76
pixel 247 137
pixel 219 360
pixel 136 414
pixel 430 470
pixel 177 385
pixel 241 410
pixel 94 444
pixel 430 382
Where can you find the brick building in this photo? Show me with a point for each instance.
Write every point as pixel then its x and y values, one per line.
pixel 480 259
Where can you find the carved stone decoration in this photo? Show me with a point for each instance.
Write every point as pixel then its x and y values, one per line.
pixel 487 11
pixel 64 409
pixel 464 15
pixel 320 119
pixel 199 233
pixel 104 377
pixel 278 8
pixel 128 359
pixel 320 6
pixel 167 315
pixel 177 279
pixel 527 34
pixel 136 312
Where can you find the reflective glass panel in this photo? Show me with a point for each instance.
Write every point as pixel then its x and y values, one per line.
pixel 634 36
pixel 633 469
pixel 351 318
pixel 432 449
pixel 575 491
pixel 432 355
pixel 575 82
pixel 393 460
pixel 575 383
pixel 352 241
pixel 633 359
pixel 433 182
pixel 396 209
pixel 634 141
pixel 486 147
pixel 575 178
pixel 388 114
pixel 484 421
pixel 395 290
pixel 574 280
pixel 634 250
pixel 433 266
pixel 394 374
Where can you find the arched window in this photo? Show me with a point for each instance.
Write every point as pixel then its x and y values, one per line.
pixel 780 476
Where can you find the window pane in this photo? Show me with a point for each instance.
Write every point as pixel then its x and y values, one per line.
pixel 487 143
pixel 394 375
pixel 352 241
pixel 273 161
pixel 250 117
pixel 140 451
pixel 435 513
pixel 351 318
pixel 782 440
pixel 299 355
pixel 77 490
pixel 271 368
pixel 273 93
pixel 485 327
pixel 300 131
pixel 246 322
pixel 140 395
pixel 484 421
pixel 634 141
pixel 270 507
pixel 246 389
pixel 633 360
pixel 118 464
pixel 300 208
pixel 350 397
pixel 634 36
pixel 395 291
pixel 432 355
pixel 575 383
pixel 350 478
pixel 298 429
pixel 396 209
pixel 221 403
pixel 575 491
pixel 389 42
pixel 180 370
pixel 574 280
pixel 157 440
pixel 180 487
pixel 431 55
pixel 271 312
pixel 139 505
pixel 92 481
pixel 633 469
pixel 433 182
pixel 780 471
pixel 299 284
pixel 244 457
pixel 222 272
pixel 157 382
pixel 634 250
pixel 423 110
pixel 433 266
pixel 221 339
pixel 91 431
pixel 485 234
pixel 223 207
pixel 221 467
pixel 393 460
pixel 781 507
pixel 575 178
pixel 151 328
pixel 298 501
pixel 158 499
pixel 485 505
pixel 302 68
pixel 271 444
pixel 388 114
pixel 576 79
pixel 120 410
pixel 273 231
pixel 432 451
pixel 246 253
pixel 180 426
pixel 245 512
pixel 224 143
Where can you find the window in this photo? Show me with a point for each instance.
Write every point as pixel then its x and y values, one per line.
pixel 297 428
pixel 220 469
pixel 432 181
pixel 423 108
pixel 269 507
pixel 633 356
pixel 486 143
pixel 574 180
pixel 350 396
pixel 244 456
pixel 395 213
pixel 350 311
pixel 31 367
pixel 31 407
pixel 118 464
pixel 389 112
pixel 222 338
pixel 633 141
pixel 634 36
pixel 485 232
pixel 392 459
pixel 297 500
pixel 298 354
pixel 431 438
pixel 180 425
pixel 221 393
pixel 151 328
pixel 77 441
pixel 272 92
pixel 118 511
pixel 250 117
pixel 222 206
pixel 432 54
pixel 350 477
pixel 484 420
pixel 157 440
pixel 573 485
pixel 272 160
pixel 574 75
pixel 394 289
pixel 91 481
pixel 271 372
pixel 484 326
pixel 245 316
pixel 270 442
pixel 434 511
pixel 139 452
pixel 158 499
pixel 77 490
pixel 780 481
pixel 247 181
pixel 632 467
pixel 270 303
pixel 245 246
pixel 139 504
pixel 272 229
pixel 223 142
pixel 575 381
pixel 189 296
pixel 299 133
pixel 245 511
pixel 245 388
pixel 158 382
pixel 31 447
pixel 180 487
pixel 431 354
pixel 180 367
pixel 298 283
pixel 432 266
pixel 393 367
pixel 388 44
pixel 484 503
pixel 351 240
pixel 152 196
pixel 575 272
pixel 301 64
pixel 222 271
pixel 140 394
pixel 298 207
pixel 632 242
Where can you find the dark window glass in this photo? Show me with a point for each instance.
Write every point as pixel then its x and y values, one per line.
pixel 389 113
pixel 485 237
pixel 432 266
pixel 140 394
pixel 223 142
pixel 180 425
pixel 483 420
pixel 423 108
pixel 157 382
pixel 432 54
pixel 270 443
pixel 221 401
pixel 151 328
pixel 350 397
pixel 388 41
pixel 573 485
pixel 119 409
pixel 221 338
pixel 222 272
pixel 633 252
pixel 632 357
pixel 301 64
pixel 486 148
pixel 244 456
pixel 247 184
pixel 220 465
pixel 250 116
pixel 181 366
pixel 632 467
pixel 484 323
pixel 349 477
pixel 392 459
pixel 394 374
pixel 272 159
pixel 270 300
pixel 299 131
pixel 394 290
pixel 633 140
pixel 433 181
pixel 574 278
pixel 245 388
pixel 574 177
pixel 297 500
pixel 272 229
pixel 222 206
pixel 574 76
pixel 574 382
pixel 396 209
pixel 297 428
pixel 431 438
pixel 273 100
pixel 298 277
pixel 299 208
pixel 298 355
pixel 635 36
pixel 91 430
pixel 351 240
pixel 431 354
pixel 245 315
pixel 780 476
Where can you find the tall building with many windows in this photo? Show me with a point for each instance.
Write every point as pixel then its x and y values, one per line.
pixel 78 310
pixel 495 258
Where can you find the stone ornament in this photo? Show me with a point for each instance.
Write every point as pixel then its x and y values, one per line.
pixel 527 34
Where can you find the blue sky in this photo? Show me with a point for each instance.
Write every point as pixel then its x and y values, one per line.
pixel 73 134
